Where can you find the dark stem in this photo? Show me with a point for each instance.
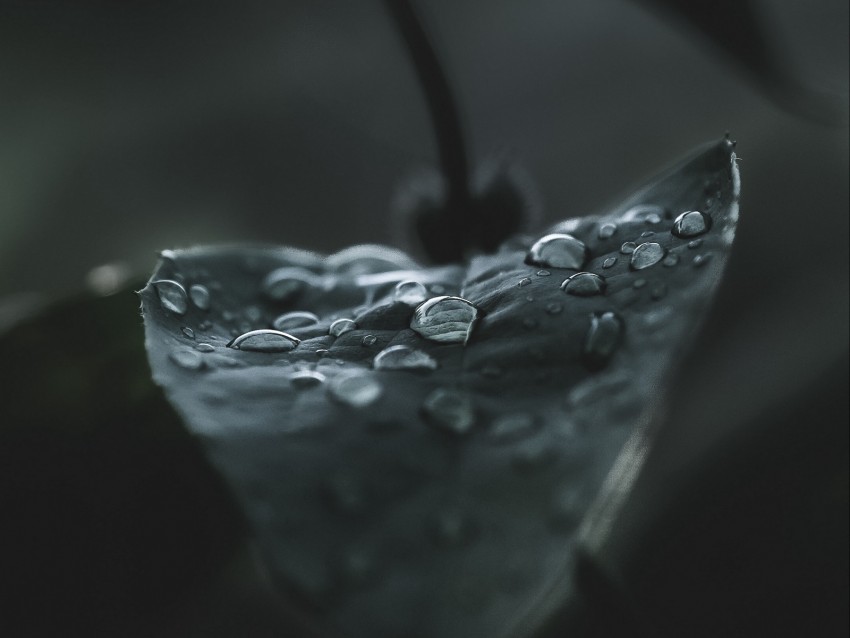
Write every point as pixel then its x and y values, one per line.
pixel 441 103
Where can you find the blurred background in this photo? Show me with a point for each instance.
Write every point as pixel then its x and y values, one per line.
pixel 127 128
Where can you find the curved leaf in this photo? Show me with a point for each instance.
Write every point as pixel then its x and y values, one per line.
pixel 440 495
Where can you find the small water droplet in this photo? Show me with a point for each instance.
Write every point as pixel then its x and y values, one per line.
pixel 188 332
pixel 403 358
pixel 445 319
pixel 653 218
pixel 558 251
pixel 602 339
pixel 647 233
pixel 306 378
pixel 584 284
pixel 609 262
pixel 200 296
pixel 321 353
pixel 295 320
pixel 341 326
pixel 524 282
pixel 543 273
pixel 670 260
pixel 410 292
pixel 690 224
pixel 701 260
pixel 264 341
pixel 554 308
pixel 639 283
pixel 647 255
pixel 205 347
pixel 449 410
pixel 658 291
pixel 628 247
pixel 172 296
pixel 606 231
pixel 187 359
pixel 357 391
pixel 206 324
pixel 512 427
pixel 529 297
pixel 285 283
pixel 369 340
pixel 694 243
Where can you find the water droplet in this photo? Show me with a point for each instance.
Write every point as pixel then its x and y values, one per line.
pixel 609 262
pixel 451 528
pixel 200 296
pixel 369 340
pixel 670 260
pixel 529 297
pixel 554 308
pixel 403 358
pixel 647 233
pixel 188 332
pixel 369 258
pixel 264 341
pixel 694 243
pixel 639 283
pixel 691 224
pixel 205 324
pixel 410 292
pixel 172 296
pixel 658 291
pixel 285 283
pixel 701 260
pixel 558 251
pixel 647 255
pixel 606 231
pixel 653 218
pixel 321 353
pixel 628 247
pixel 295 320
pixel 445 319
pixel 602 339
pixel 524 282
pixel 584 284
pixel 356 391
pixel 543 273
pixel 341 326
pixel 205 347
pixel 306 378
pixel 449 410
pixel 187 359
pixel 647 212
pixel 512 427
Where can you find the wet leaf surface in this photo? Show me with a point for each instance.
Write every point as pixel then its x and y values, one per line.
pixel 440 495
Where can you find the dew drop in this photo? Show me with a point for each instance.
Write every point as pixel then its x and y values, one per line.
pixel 321 353
pixel 410 292
pixel 606 231
pixel 647 233
pixel 695 243
pixel 653 218
pixel 295 320
pixel 525 281
pixel 341 326
pixel 558 251
pixel 285 283
pixel 647 255
pixel 449 410
pixel 187 359
pixel 200 296
pixel 512 427
pixel 543 273
pixel 306 378
pixel 628 247
pixel 369 340
pixel 403 358
pixel 691 224
pixel 187 332
pixel 602 339
pixel 639 283
pixel 584 284
pixel 670 260
pixel 356 391
pixel 554 308
pixel 264 341
pixel 701 260
pixel 172 296
pixel 609 263
pixel 445 319
pixel 205 347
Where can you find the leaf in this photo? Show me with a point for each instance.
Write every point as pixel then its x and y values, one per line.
pixel 436 489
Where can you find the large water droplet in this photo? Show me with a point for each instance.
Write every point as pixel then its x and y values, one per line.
pixel 691 224
pixel 187 359
pixel 172 296
pixel 285 283
pixel 449 410
pixel 584 284
pixel 264 341
pixel 606 231
pixel 445 319
pixel 410 292
pixel 200 296
pixel 558 251
pixel 602 339
pixel 341 326
pixel 356 391
pixel 403 358
pixel 647 255
pixel 306 378
pixel 295 320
